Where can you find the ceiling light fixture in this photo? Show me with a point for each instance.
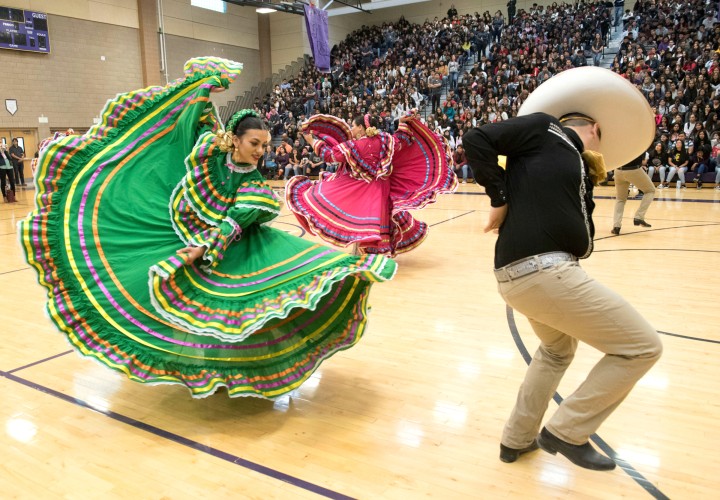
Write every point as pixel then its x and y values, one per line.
pixel 265 10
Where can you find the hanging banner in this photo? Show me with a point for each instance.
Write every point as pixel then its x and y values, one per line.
pixel 316 22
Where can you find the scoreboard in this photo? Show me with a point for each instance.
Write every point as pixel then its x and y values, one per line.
pixel 24 30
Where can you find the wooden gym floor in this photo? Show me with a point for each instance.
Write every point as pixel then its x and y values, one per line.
pixel 414 410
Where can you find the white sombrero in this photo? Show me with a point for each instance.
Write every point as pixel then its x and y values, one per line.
pixel 624 115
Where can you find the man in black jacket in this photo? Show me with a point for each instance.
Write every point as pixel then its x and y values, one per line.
pixel 541 207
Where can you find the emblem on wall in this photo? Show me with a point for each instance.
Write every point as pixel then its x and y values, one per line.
pixel 11 106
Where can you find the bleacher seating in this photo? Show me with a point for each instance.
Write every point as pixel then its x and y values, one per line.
pixel 386 69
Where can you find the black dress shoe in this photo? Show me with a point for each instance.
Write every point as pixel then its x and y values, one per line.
pixel 641 222
pixel 583 455
pixel 509 455
pixel 615 231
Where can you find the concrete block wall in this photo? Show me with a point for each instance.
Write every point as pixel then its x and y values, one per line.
pixel 180 49
pixel 237 26
pixel 288 39
pixel 98 54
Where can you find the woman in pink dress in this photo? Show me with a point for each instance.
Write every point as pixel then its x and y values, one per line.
pixel 381 177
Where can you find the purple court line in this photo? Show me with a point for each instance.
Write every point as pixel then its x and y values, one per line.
pixel 38 362
pixel 228 457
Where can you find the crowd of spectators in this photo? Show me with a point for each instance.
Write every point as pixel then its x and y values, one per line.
pixel 671 52
pixel 463 71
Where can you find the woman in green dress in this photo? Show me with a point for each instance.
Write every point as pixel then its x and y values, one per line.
pixel 149 234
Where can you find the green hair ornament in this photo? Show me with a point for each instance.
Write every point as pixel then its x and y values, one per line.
pixel 224 138
pixel 239 116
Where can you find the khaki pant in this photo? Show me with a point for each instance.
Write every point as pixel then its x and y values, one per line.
pixel 623 179
pixel 564 306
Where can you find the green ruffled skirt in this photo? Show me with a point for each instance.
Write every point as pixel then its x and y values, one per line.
pixel 101 239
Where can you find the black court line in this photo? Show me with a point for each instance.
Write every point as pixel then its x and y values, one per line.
pixel 604 197
pixel 471 193
pixel 171 436
pixel 697 224
pixel 624 465
pixel 688 337
pixel 691 250
pixel 688 200
pixel 15 270
pixel 452 218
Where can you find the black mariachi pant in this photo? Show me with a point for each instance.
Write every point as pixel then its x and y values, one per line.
pixel 10 175
pixel 19 173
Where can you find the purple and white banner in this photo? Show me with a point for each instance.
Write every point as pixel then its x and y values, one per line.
pixel 316 22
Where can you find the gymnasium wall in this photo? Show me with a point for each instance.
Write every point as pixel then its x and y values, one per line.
pixel 96 54
pixel 96 51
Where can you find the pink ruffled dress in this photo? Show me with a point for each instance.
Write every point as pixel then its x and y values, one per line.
pixel 380 179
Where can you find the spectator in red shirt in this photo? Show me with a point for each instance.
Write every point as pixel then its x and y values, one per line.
pixel 461 165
